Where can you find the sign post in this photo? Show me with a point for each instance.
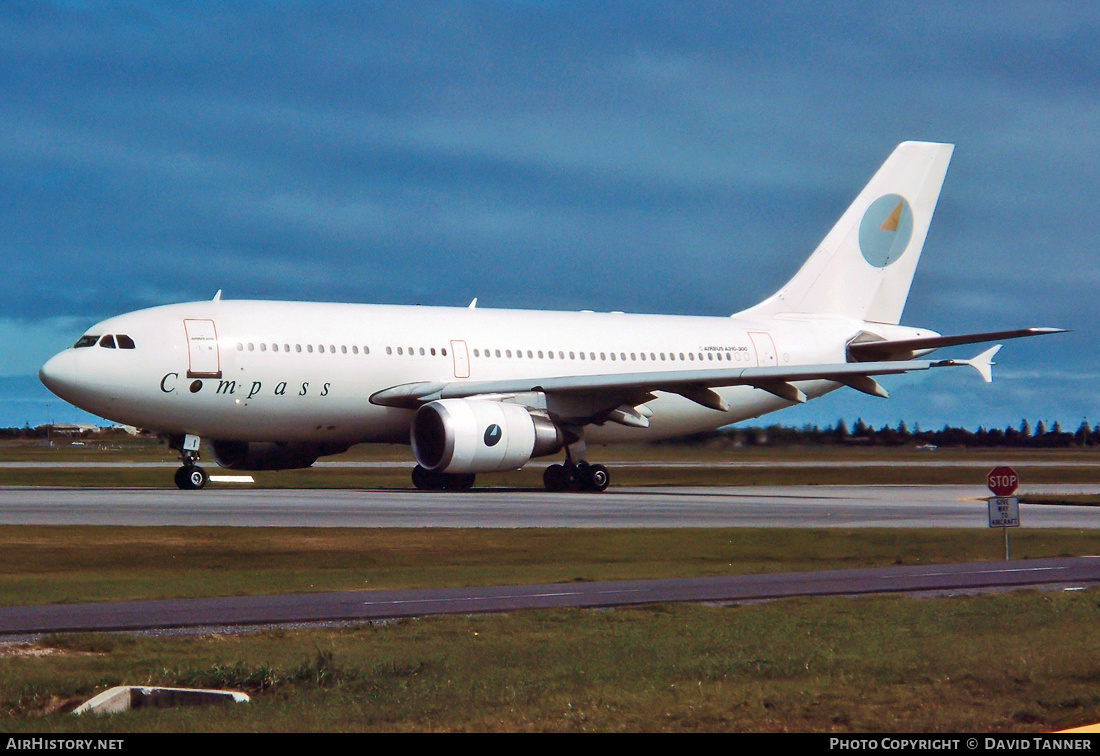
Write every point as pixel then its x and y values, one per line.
pixel 1004 508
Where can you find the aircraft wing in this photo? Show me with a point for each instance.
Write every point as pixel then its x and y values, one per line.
pixel 622 388
pixel 869 351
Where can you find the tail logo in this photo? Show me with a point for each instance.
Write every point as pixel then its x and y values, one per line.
pixel 885 230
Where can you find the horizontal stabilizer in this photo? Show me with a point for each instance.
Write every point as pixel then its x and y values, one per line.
pixel 983 363
pixel 875 351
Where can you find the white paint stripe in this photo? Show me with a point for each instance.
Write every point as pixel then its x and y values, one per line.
pixel 980 572
pixel 470 598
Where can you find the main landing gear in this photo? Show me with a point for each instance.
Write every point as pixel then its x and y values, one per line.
pixel 426 480
pixel 189 477
pixel 576 474
pixel 576 477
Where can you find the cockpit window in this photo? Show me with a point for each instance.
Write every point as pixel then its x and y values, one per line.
pixel 107 341
pixel 85 341
pixel 124 341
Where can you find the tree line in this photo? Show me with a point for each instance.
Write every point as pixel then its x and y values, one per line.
pixel 861 434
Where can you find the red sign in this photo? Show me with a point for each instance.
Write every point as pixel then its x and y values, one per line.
pixel 1003 481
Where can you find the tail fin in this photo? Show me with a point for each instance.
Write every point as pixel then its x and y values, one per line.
pixel 864 267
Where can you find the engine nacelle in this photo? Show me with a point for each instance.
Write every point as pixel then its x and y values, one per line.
pixel 252 455
pixel 478 435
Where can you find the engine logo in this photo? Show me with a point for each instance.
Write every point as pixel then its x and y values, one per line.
pixel 492 435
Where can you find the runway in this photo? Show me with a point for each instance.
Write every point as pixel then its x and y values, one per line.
pixel 745 506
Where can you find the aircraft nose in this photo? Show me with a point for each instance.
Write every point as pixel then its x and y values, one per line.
pixel 60 374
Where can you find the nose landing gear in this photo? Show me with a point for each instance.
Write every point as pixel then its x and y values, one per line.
pixel 189 477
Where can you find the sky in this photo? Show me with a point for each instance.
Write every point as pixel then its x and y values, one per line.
pixel 671 157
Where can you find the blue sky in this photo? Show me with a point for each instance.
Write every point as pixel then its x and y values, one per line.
pixel 673 157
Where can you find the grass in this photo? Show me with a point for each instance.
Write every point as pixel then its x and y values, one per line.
pixel 1019 662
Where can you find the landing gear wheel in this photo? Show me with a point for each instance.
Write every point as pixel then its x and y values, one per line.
pixel 598 478
pixel 582 477
pixel 423 478
pixel 190 478
pixel 579 477
pixel 428 480
pixel 556 478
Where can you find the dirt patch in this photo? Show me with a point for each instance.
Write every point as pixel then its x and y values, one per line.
pixel 12 650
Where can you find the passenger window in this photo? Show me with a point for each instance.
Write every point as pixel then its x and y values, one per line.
pixel 107 341
pixel 125 342
pixel 85 341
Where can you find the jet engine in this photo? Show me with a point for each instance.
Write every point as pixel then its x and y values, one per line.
pixel 479 435
pixel 252 455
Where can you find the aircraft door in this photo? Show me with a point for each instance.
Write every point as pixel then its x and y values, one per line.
pixel 461 358
pixel 765 349
pixel 203 359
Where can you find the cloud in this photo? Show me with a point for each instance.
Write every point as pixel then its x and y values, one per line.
pixel 642 157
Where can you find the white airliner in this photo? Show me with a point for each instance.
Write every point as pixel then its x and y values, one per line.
pixel 275 385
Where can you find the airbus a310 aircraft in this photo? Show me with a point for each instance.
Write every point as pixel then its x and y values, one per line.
pixel 275 385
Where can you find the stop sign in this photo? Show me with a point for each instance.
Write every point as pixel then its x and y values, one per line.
pixel 1003 481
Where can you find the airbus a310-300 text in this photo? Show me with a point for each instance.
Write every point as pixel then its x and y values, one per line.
pixel 276 385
